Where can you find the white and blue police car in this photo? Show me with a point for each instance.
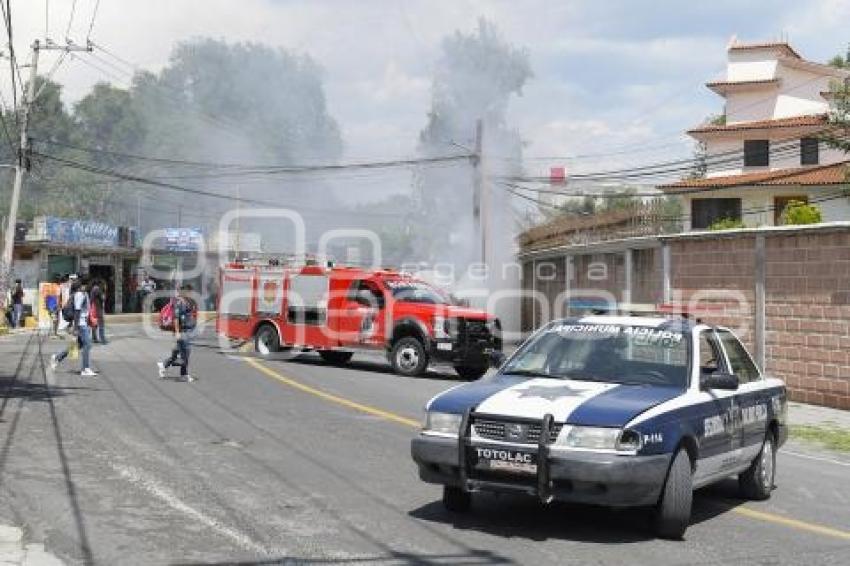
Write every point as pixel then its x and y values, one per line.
pixel 610 410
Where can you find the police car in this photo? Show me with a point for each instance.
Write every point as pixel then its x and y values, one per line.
pixel 610 410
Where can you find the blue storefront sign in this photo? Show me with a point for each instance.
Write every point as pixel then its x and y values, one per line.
pixel 183 239
pixel 88 232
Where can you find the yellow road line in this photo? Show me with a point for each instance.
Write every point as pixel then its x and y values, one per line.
pixel 792 523
pixel 334 398
pixel 387 415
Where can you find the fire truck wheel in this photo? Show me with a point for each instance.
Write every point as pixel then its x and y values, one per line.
pixel 470 372
pixel 409 357
pixel 266 341
pixel 335 357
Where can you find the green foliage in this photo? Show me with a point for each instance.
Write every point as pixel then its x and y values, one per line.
pixel 838 135
pixel 213 102
pixel 726 224
pixel 838 62
pixel 829 435
pixel 798 212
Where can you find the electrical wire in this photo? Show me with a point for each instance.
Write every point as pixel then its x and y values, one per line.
pixel 270 168
pixel 91 24
pixel 178 188
pixel 70 20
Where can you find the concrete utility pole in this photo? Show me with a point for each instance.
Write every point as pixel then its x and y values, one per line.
pixel 479 204
pixel 26 107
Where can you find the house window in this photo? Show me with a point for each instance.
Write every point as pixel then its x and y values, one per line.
pixel 706 211
pixel 756 153
pixel 779 204
pixel 809 151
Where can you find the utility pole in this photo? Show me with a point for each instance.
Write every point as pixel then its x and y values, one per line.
pixel 478 198
pixel 26 107
pixel 238 221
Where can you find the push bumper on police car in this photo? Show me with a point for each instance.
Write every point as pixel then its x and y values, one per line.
pixel 543 469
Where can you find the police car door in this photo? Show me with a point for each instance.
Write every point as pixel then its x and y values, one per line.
pixel 751 397
pixel 720 437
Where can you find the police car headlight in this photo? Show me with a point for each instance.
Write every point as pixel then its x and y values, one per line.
pixel 444 423
pixel 599 438
pixel 589 437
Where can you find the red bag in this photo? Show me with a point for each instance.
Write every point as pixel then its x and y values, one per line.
pixel 93 320
pixel 166 316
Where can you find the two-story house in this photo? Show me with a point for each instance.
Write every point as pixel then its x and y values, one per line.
pixel 764 151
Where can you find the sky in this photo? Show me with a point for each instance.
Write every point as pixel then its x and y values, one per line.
pixel 616 82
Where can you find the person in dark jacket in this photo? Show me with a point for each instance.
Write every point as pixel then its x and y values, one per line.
pixel 17 304
pixel 185 319
pixel 98 302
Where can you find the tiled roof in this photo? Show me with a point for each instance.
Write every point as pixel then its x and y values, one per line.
pixel 713 84
pixel 767 45
pixel 833 174
pixel 810 120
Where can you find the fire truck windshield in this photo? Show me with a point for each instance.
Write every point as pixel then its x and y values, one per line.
pixel 417 292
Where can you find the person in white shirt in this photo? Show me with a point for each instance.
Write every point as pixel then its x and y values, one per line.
pixel 80 327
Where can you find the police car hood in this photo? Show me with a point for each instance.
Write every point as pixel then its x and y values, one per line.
pixel 587 403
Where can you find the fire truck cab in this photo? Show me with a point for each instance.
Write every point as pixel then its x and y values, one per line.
pixel 338 311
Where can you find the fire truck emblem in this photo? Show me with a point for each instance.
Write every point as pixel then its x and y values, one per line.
pixel 269 292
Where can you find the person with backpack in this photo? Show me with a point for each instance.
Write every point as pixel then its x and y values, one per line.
pixel 185 317
pixel 76 313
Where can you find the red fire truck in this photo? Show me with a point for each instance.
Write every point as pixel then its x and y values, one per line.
pixel 337 311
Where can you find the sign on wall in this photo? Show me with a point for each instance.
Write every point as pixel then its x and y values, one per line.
pixel 88 232
pixel 183 239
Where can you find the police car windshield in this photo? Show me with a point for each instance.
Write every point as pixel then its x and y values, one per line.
pixel 417 292
pixel 605 352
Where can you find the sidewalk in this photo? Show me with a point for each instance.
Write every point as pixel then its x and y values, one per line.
pixel 814 415
pixel 15 552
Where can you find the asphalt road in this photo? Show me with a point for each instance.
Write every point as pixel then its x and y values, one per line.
pixel 296 462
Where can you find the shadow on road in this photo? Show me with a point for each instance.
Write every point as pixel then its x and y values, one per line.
pixel 510 516
pixel 10 388
pixel 472 558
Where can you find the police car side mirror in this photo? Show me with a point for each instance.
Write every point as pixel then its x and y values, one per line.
pixel 723 381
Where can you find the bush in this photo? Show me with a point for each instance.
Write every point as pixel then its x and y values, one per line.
pixel 797 212
pixel 726 224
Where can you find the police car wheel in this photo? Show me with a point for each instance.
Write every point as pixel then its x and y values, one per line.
pixel 266 341
pixel 757 481
pixel 409 357
pixel 456 500
pixel 470 372
pixel 673 513
pixel 334 357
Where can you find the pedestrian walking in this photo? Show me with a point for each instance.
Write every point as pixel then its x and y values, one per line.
pixel 64 297
pixel 52 304
pixel 97 297
pixel 185 320
pixel 17 304
pixel 146 287
pixel 78 305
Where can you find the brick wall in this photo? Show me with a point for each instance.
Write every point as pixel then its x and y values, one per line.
pixel 807 297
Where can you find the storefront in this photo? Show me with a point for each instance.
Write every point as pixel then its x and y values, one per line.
pixel 56 247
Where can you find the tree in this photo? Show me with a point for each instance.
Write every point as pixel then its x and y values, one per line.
pixel 798 212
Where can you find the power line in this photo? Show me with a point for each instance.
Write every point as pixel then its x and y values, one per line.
pixel 70 20
pixel 243 168
pixel 178 188
pixel 91 24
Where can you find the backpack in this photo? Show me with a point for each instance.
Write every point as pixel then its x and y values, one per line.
pixel 189 314
pixel 68 309
pixel 166 316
